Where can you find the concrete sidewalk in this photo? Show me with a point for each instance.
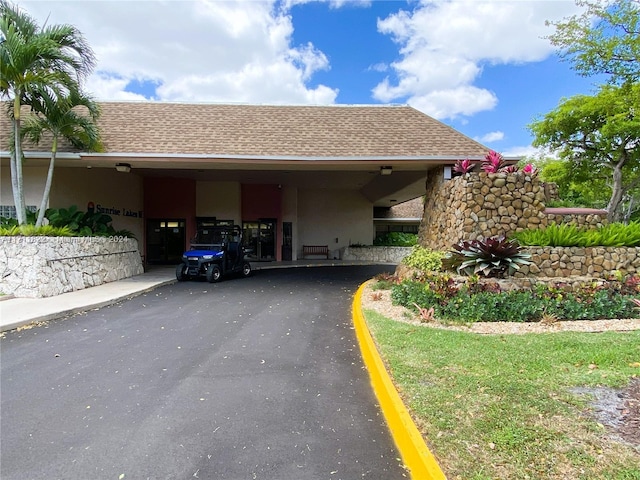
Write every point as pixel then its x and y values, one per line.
pixel 16 312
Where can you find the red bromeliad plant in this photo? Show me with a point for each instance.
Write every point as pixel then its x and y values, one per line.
pixel 510 169
pixel 530 169
pixel 463 166
pixel 493 162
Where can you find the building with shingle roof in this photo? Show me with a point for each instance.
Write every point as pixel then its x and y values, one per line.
pixel 291 175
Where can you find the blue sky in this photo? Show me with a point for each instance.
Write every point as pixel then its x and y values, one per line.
pixel 481 66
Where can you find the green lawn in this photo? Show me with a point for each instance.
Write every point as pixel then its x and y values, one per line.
pixel 500 406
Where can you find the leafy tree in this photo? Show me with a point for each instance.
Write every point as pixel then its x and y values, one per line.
pixel 35 62
pixel 577 187
pixel 63 118
pixel 599 134
pixel 604 39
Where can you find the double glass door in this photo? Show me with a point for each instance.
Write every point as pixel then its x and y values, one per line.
pixel 165 241
pixel 259 239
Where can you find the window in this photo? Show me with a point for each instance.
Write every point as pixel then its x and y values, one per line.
pixel 9 211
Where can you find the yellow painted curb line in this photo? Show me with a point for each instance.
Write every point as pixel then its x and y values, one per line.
pixel 415 453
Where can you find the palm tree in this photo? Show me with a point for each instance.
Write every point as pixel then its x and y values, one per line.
pixel 72 118
pixel 35 62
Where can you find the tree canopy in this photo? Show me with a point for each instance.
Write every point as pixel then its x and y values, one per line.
pixel 72 118
pixel 35 62
pixel 599 135
pixel 604 39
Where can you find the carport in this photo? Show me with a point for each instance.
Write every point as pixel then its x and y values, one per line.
pixel 290 175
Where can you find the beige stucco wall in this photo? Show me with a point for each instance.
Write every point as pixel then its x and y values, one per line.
pixel 219 199
pixel 324 215
pixel 34 178
pixel 107 189
pixel 79 186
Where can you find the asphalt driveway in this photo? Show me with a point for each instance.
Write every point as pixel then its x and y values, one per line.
pixel 257 378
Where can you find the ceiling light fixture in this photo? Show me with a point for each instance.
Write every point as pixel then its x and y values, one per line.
pixel 386 170
pixel 123 167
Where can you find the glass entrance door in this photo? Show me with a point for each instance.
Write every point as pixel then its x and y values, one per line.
pixel 165 241
pixel 259 239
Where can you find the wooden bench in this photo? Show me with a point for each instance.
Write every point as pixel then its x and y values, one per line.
pixel 315 250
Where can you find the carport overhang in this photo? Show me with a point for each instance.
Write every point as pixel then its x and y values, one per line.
pixel 364 174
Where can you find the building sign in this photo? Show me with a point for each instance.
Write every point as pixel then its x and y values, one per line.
pixel 120 212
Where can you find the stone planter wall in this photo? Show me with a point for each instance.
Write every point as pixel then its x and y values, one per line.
pixel 47 266
pixel 376 254
pixel 480 205
pixel 597 262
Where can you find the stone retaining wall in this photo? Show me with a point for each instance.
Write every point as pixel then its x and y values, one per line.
pixel 597 262
pixel 376 254
pixel 47 266
pixel 480 205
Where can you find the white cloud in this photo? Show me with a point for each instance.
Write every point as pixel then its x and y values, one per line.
pixel 528 151
pixel 332 3
pixel 444 46
pixel 463 100
pixel 491 137
pixel 209 50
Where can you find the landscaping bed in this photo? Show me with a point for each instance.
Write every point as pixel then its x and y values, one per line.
pixel 502 406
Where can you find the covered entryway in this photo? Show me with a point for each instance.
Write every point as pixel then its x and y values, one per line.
pixel 165 241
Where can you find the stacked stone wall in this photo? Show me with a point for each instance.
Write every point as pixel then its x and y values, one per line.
pixel 598 262
pixel 480 205
pixel 393 255
pixel 47 266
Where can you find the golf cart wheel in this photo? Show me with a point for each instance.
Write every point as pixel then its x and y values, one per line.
pixel 246 269
pixel 213 273
pixel 180 273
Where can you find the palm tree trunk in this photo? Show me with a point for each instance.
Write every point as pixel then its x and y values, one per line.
pixel 47 185
pixel 16 170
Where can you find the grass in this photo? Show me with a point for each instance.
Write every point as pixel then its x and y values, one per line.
pixel 500 406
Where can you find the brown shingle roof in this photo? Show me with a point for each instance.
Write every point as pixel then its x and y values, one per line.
pixel 278 131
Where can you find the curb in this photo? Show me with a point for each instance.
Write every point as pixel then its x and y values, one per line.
pixel 414 452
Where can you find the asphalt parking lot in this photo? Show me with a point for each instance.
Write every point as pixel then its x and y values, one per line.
pixel 257 378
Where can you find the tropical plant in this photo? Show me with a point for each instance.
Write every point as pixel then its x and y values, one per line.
pixel 510 169
pixel 65 217
pixel 492 162
pixel 84 224
pixel 494 256
pixel 30 230
pixel 71 117
pixel 554 235
pixel 396 239
pixel 424 259
pixel 567 235
pixel 530 169
pixel 12 222
pixel 464 166
pixel 467 303
pixel 34 61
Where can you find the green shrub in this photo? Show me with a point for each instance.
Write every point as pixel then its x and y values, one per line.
pixel 33 231
pixel 493 257
pixel 469 302
pixel 565 235
pixel 424 259
pixel 396 239
pixel 84 224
